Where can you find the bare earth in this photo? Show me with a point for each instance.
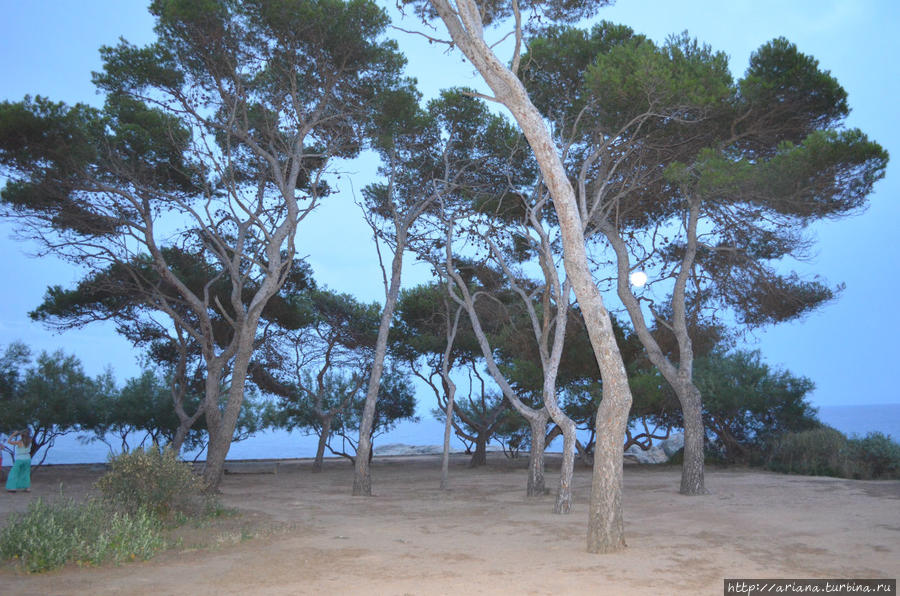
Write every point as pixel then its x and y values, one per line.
pixel 485 537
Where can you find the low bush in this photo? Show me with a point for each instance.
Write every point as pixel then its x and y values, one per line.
pixel 50 535
pixel 875 456
pixel 823 451
pixel 156 481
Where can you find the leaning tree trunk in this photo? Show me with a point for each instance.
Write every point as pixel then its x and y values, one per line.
pixel 221 424
pixel 323 441
pixel 217 447
pixel 605 521
pixel 362 477
pixel 606 524
pixel 536 482
pixel 179 438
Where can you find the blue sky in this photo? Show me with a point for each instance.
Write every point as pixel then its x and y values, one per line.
pixel 848 348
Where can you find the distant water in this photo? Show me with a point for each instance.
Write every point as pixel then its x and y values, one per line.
pixel 860 419
pixel 863 419
pixel 71 449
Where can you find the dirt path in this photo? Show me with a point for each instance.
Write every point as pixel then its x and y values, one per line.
pixel 485 537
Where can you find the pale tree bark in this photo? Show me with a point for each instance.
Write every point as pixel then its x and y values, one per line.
pixel 606 526
pixel 537 418
pixel 402 223
pixel 550 334
pixel 362 477
pixel 222 422
pixel 536 485
pixel 680 375
pixel 450 388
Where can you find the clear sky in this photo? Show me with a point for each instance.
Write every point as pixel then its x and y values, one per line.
pixel 49 47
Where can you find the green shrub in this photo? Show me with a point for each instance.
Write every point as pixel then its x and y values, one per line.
pixel 147 479
pixel 49 535
pixel 823 451
pixel 875 456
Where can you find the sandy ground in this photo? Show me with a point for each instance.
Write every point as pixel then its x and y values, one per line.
pixel 485 537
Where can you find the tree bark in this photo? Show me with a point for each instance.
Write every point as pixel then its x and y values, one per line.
pixel 605 520
pixel 536 483
pixel 320 447
pixel 362 477
pixel 564 495
pixel 222 423
pixel 692 482
pixel 448 426
pixel 479 457
pixel 679 377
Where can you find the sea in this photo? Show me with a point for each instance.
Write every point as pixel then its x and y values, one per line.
pixel 74 448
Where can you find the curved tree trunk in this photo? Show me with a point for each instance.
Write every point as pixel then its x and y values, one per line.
pixel 320 447
pixel 606 526
pixel 680 377
pixel 223 422
pixel 217 448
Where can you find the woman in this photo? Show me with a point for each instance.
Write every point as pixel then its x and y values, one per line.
pixel 20 474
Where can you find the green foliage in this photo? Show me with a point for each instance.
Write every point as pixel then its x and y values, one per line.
pixel 875 456
pixel 513 432
pixel 144 405
pixel 746 403
pixel 823 451
pixel 155 481
pixel 52 397
pixel 763 156
pixel 50 535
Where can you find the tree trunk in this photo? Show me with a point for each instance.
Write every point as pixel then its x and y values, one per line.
pixel 694 441
pixel 320 448
pixel 680 377
pixel 217 449
pixel 362 477
pixel 479 457
pixel 605 521
pixel 536 483
pixel 606 524
pixel 221 424
pixel 564 496
pixel 448 426
pixel 179 438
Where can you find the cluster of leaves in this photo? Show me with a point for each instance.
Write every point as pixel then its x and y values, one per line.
pixel 156 481
pixel 825 451
pixel 747 403
pixel 51 534
pixel 51 395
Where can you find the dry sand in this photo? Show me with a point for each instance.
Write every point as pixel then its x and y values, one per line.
pixel 485 537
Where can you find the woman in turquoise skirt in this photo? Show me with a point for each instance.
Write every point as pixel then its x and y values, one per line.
pixel 20 474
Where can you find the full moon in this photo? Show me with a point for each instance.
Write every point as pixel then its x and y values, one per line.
pixel 638 279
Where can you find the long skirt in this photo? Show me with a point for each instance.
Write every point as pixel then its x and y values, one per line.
pixel 19 475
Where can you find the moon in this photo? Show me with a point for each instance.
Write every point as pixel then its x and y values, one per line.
pixel 638 279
